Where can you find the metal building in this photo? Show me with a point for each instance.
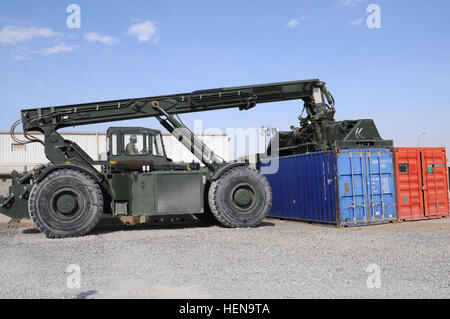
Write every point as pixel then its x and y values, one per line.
pixel 19 157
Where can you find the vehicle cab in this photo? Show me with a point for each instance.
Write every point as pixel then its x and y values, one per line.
pixel 136 149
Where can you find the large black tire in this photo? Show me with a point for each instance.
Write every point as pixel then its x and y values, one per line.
pixel 66 203
pixel 241 197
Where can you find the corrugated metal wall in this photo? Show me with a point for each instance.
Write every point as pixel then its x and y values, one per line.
pixel 350 188
pixel 16 157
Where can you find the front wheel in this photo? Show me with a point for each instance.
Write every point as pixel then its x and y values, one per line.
pixel 241 197
pixel 67 203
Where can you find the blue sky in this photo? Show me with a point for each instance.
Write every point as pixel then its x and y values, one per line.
pixel 398 75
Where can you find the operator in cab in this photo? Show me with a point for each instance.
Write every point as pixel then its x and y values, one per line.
pixel 131 147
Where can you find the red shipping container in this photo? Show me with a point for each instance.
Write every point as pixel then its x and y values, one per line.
pixel 422 183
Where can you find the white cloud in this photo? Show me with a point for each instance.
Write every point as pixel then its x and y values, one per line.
pixel 144 31
pixel 21 52
pixel 14 35
pixel 62 47
pixel 20 58
pixel 357 22
pixel 295 22
pixel 347 3
pixel 105 39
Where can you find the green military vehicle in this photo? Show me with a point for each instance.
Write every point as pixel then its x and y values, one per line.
pixel 67 196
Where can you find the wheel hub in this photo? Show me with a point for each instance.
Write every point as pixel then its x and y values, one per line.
pixel 66 204
pixel 242 197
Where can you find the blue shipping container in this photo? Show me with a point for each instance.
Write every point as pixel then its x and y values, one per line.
pixel 346 188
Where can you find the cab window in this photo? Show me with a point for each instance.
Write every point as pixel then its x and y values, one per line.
pixel 157 145
pixel 115 146
pixel 136 144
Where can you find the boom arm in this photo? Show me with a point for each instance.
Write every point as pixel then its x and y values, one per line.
pixel 44 119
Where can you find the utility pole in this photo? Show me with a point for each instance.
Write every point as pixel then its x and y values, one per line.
pixel 418 138
pixel 267 131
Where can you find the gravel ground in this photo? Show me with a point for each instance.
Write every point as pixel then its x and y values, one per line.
pixel 194 260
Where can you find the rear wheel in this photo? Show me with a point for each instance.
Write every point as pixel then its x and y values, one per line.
pixel 242 197
pixel 67 203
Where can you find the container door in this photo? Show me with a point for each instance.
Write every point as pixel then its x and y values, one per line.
pixel 366 186
pixel 422 183
pixel 380 186
pixel 435 182
pixel 409 183
pixel 352 191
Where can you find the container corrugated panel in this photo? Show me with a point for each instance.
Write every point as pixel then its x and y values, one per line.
pixel 304 187
pixel 366 186
pixel 348 188
pixel 422 183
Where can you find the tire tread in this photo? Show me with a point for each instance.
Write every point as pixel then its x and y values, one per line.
pixel 32 201
pixel 213 193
